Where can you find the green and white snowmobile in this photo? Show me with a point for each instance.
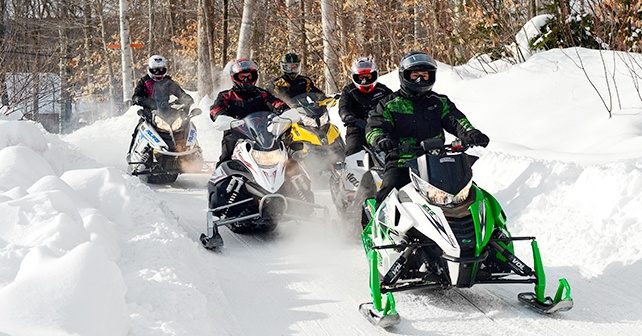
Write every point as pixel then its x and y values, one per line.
pixel 443 231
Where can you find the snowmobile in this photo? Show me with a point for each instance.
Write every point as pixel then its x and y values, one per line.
pixel 320 141
pixel 260 185
pixel 441 231
pixel 165 145
pixel 354 180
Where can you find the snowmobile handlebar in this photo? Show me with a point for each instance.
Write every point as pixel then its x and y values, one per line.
pixel 435 147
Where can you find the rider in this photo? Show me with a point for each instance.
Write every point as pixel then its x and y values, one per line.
pixel 153 90
pixel 412 114
pixel 358 99
pixel 244 98
pixel 291 83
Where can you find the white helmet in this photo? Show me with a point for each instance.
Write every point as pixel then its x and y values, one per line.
pixel 157 67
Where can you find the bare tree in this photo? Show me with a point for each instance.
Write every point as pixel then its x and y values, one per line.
pixel 330 57
pixel 126 54
pixel 247 28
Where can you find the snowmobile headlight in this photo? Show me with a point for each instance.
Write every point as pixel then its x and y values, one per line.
pixel 165 126
pixel 308 121
pixel 324 119
pixel 436 195
pixel 267 159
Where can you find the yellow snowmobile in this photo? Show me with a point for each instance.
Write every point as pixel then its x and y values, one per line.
pixel 314 141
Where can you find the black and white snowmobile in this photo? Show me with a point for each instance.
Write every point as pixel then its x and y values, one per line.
pixel 354 180
pixel 165 145
pixel 260 185
pixel 443 231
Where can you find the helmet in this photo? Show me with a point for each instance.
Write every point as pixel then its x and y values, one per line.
pixel 157 67
pixel 244 66
pixel 291 65
pixel 417 61
pixel 364 66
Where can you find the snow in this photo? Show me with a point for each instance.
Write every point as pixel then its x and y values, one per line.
pixel 87 250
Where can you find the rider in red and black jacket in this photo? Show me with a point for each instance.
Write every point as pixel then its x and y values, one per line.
pixel 244 98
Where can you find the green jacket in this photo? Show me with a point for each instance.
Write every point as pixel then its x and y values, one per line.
pixel 412 119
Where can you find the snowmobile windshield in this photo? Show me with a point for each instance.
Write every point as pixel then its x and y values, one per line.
pixel 450 174
pixel 169 120
pixel 264 128
pixel 308 105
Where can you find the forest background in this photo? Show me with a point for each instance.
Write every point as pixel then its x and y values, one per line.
pixel 76 44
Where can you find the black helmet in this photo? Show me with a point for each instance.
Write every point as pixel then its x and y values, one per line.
pixel 417 61
pixel 291 65
pixel 244 65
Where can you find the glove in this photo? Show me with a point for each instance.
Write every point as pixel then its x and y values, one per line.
pixel 163 106
pixel 385 144
pixel 361 123
pixel 350 120
pixel 476 138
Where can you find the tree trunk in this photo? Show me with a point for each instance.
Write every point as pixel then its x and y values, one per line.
pixel 126 55
pixel 330 57
pixel 292 9
pixel 203 49
pixel 110 68
pixel 247 28
pixel 4 95
pixel 150 27
pixel 226 17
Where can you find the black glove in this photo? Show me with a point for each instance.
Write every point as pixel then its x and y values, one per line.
pixel 350 120
pixel 475 138
pixel 163 106
pixel 385 144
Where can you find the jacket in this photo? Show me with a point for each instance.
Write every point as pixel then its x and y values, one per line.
pixel 149 92
pixel 359 104
pixel 286 88
pixel 412 119
pixel 239 104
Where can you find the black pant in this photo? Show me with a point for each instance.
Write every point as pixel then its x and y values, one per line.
pixel 392 178
pixel 355 142
pixel 227 147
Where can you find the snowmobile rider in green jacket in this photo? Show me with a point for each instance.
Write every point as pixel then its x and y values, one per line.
pixel 412 114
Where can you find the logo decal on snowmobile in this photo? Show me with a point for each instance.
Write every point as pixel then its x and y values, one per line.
pixel 438 225
pixel 192 136
pixel 151 135
pixel 350 177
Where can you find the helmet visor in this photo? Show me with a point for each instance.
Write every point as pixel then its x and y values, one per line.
pixel 417 62
pixel 158 71
pixel 364 79
pixel 291 67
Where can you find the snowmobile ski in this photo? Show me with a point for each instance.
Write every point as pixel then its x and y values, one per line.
pixel 376 317
pixel 547 307
pixel 213 242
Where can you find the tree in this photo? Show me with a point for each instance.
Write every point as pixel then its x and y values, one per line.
pixel 246 31
pixel 330 43
pixel 126 54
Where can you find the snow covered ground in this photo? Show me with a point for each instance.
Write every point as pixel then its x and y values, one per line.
pixel 87 250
